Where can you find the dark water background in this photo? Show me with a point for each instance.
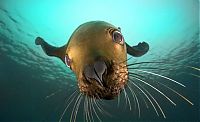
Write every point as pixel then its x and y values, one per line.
pixel 27 75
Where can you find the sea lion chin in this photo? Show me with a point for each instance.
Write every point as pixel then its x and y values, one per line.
pixel 97 54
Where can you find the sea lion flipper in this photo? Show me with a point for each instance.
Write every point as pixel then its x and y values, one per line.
pixel 138 50
pixel 51 50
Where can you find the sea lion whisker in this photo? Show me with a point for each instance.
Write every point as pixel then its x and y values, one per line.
pixel 54 93
pixel 88 111
pixel 161 77
pixel 85 110
pixel 75 92
pixel 75 104
pixel 145 102
pixel 131 81
pixel 150 94
pixel 132 95
pixel 154 100
pixel 127 97
pixel 135 74
pixel 183 97
pixel 101 108
pixel 90 108
pixel 139 79
pixel 71 96
pixel 194 75
pixel 149 62
pixel 87 107
pixel 98 97
pixel 77 107
pixel 137 101
pixel 168 88
pixel 118 100
pixel 195 68
pixel 93 108
pixel 140 76
pixel 147 68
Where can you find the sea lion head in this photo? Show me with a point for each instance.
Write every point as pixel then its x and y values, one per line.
pixel 97 54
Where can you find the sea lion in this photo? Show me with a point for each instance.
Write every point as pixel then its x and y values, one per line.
pixel 97 53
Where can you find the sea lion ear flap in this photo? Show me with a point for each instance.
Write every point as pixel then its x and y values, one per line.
pixel 51 50
pixel 137 50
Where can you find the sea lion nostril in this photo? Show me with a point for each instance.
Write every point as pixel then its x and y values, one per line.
pixel 96 71
pixel 89 73
pixel 100 67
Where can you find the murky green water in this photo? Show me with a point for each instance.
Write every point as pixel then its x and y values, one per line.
pixel 28 76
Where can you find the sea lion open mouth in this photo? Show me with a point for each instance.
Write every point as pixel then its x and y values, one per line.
pixel 97 54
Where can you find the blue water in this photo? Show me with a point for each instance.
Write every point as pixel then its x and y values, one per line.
pixel 28 76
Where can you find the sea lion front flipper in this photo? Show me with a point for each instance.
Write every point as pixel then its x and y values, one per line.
pixel 137 50
pixel 51 50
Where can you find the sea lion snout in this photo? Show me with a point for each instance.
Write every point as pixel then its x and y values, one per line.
pixel 96 72
pixel 103 79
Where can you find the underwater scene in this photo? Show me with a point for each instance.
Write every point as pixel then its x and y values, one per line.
pixel 161 80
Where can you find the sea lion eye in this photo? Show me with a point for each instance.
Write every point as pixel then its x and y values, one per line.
pixel 67 61
pixel 117 37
